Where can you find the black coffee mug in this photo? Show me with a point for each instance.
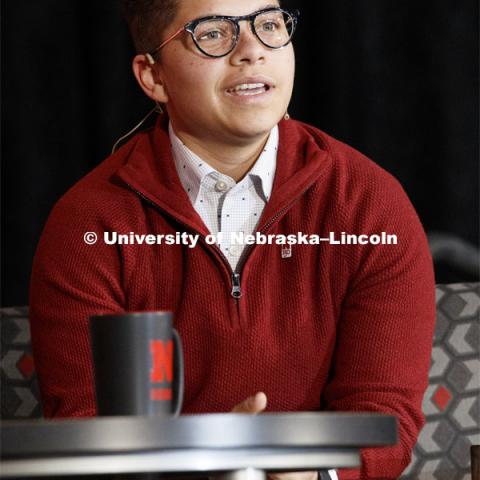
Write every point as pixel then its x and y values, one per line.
pixel 138 364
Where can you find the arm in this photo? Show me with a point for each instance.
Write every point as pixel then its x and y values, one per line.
pixel 385 330
pixel 70 281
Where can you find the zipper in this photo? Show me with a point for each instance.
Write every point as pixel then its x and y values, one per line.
pixel 236 288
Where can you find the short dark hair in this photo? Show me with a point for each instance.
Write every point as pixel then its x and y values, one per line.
pixel 147 20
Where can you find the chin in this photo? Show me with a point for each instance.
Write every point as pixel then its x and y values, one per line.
pixel 249 126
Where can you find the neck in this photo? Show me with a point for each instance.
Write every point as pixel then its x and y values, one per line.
pixel 234 160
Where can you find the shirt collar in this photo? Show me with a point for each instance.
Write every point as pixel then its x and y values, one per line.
pixel 192 170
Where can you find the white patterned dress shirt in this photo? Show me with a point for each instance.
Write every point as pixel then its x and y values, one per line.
pixel 223 204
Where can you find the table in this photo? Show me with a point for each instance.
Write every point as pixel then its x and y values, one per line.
pixel 244 446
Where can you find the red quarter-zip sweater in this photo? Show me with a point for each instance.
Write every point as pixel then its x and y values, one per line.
pixel 332 327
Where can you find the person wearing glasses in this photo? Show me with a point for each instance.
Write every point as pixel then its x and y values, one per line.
pixel 265 327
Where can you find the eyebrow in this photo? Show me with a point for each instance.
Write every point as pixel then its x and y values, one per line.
pixel 269 5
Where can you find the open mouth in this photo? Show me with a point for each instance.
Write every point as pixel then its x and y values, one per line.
pixel 249 89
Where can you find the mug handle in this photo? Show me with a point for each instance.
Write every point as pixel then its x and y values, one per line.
pixel 178 373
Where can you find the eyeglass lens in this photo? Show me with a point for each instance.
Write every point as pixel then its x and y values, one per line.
pixel 218 37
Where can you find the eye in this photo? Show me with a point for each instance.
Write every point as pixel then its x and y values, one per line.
pixel 211 35
pixel 270 26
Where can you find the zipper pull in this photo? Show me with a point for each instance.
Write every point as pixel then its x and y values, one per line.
pixel 236 290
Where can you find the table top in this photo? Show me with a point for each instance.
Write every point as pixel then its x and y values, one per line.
pixel 191 443
pixel 126 434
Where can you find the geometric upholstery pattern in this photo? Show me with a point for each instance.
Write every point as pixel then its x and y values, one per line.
pixel 19 393
pixel 452 401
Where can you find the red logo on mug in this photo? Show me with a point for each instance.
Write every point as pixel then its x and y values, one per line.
pixel 162 368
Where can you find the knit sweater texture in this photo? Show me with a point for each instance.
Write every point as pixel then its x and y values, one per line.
pixel 329 327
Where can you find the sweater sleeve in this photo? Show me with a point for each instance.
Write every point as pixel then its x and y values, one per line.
pixel 70 281
pixel 384 333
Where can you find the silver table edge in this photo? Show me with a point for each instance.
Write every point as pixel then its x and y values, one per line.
pixel 184 461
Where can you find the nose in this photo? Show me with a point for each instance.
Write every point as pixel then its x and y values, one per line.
pixel 248 49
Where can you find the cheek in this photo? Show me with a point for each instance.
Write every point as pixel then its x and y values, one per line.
pixel 192 78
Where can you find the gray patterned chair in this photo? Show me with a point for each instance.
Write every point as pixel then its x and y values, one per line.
pixel 451 403
pixel 19 393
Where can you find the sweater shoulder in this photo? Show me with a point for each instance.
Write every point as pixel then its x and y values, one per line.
pixel 355 169
pixel 363 198
pixel 348 163
pixel 98 202
pixel 355 178
pixel 100 193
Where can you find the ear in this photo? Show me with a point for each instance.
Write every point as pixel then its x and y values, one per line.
pixel 149 78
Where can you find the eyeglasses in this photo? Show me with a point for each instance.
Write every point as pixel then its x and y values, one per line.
pixel 216 36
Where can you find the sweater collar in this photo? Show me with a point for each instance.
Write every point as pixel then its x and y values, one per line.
pixel 149 169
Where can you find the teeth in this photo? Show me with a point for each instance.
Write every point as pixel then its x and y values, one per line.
pixel 248 86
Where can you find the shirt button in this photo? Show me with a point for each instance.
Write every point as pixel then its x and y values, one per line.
pixel 235 250
pixel 220 186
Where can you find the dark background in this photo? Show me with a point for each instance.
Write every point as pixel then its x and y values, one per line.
pixel 397 80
